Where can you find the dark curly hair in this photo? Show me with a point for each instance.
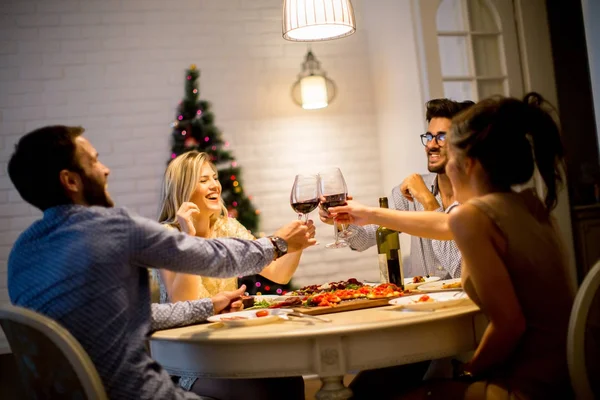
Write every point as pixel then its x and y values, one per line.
pixel 445 108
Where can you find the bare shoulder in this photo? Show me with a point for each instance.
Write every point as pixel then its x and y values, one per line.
pixel 471 226
pixel 469 220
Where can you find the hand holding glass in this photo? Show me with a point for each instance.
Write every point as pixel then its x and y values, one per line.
pixel 332 187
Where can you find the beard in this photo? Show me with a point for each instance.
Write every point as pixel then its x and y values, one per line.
pixel 437 169
pixel 94 192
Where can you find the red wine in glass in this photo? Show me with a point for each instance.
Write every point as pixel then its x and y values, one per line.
pixel 304 197
pixel 332 187
pixel 334 200
pixel 305 207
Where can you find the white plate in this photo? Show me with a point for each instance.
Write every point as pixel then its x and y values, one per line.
pixel 409 285
pixel 408 282
pixel 438 286
pixel 440 300
pixel 250 317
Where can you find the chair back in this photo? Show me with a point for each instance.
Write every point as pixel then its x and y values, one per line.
pixel 52 364
pixel 583 340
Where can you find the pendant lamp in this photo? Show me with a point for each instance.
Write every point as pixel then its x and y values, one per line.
pixel 317 20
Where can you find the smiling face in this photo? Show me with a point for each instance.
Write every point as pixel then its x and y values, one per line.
pixel 207 195
pixel 437 155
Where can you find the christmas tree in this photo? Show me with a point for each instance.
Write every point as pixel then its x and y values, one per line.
pixel 194 129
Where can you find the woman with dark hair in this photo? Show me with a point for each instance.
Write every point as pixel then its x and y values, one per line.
pixel 514 265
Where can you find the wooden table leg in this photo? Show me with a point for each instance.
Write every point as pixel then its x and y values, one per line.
pixel 333 389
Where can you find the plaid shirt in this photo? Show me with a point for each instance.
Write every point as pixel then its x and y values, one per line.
pixel 427 257
pixel 85 267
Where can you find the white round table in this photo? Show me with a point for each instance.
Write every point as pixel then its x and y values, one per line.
pixel 353 341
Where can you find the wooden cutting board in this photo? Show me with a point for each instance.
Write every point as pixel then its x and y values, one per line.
pixel 347 305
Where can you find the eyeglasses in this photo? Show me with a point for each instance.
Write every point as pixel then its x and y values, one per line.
pixel 440 138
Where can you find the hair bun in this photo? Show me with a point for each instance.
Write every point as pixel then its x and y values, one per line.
pixel 534 99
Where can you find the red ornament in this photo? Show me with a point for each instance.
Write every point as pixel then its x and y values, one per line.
pixel 190 142
pixel 232 212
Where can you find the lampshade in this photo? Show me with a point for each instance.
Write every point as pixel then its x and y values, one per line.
pixel 313 89
pixel 316 20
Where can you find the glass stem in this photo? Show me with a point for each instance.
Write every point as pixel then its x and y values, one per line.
pixel 335 230
pixel 305 218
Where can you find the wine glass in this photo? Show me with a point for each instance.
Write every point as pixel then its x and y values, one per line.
pixel 305 195
pixel 332 187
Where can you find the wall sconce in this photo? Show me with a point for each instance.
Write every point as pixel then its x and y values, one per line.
pixel 316 20
pixel 313 89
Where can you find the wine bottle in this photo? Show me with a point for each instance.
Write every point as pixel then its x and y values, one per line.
pixel 388 249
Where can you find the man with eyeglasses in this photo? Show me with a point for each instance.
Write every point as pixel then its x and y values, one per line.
pixel 427 192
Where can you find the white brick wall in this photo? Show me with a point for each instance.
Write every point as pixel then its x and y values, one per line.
pixel 116 67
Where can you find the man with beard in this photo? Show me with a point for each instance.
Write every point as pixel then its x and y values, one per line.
pixel 428 192
pixel 84 263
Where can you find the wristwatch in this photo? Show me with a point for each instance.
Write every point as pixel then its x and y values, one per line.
pixel 280 245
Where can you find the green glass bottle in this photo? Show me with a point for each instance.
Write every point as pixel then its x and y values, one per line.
pixel 388 247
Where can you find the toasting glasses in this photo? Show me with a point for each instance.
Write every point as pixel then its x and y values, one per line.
pixel 332 187
pixel 305 195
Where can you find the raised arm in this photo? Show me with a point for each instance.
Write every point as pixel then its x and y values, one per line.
pixel 427 224
pixel 156 247
pixel 364 236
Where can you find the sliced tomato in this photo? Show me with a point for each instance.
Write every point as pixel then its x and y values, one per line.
pixel 262 313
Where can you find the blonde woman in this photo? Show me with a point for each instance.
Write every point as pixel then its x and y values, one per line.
pixel 191 202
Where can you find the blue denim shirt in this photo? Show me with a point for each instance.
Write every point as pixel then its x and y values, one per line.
pixel 85 267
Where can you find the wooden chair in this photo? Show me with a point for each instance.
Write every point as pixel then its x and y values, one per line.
pixel 52 364
pixel 583 340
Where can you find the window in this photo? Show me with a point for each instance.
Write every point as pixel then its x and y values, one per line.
pixel 472 57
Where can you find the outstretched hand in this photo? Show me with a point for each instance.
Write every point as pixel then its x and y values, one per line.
pixel 325 215
pixel 230 301
pixel 352 213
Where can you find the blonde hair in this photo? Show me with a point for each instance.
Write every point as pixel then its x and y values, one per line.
pixel 179 183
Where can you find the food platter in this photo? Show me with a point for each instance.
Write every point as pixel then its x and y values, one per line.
pixel 333 297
